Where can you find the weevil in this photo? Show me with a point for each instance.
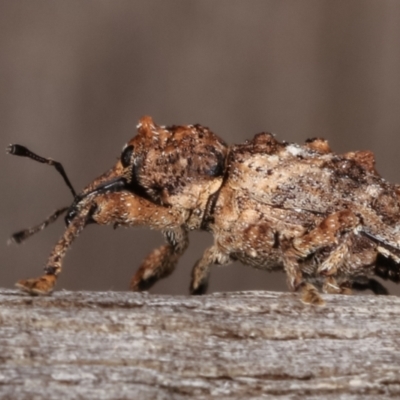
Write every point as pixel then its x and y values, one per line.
pixel 329 221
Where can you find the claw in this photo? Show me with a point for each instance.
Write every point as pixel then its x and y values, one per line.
pixel 310 295
pixel 295 281
pixel 41 286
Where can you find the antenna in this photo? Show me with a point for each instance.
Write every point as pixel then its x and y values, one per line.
pixel 22 151
pixel 21 236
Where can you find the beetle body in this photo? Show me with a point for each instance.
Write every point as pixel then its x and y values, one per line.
pixel 329 221
pixel 324 218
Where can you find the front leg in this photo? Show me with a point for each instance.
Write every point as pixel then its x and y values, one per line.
pixel 126 209
pixel 162 261
pixel 45 284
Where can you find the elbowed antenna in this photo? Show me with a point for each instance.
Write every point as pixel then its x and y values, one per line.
pixel 20 236
pixel 22 151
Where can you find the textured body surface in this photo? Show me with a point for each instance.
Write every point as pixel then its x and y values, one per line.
pixel 328 220
pixel 233 345
pixel 321 216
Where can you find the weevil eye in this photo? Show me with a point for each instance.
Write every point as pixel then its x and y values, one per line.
pixel 126 156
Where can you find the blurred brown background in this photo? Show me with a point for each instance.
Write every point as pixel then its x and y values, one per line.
pixel 75 76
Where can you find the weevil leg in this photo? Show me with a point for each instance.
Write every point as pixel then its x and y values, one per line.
pixel 370 284
pixel 201 270
pixel 327 233
pixel 157 265
pixel 335 259
pixel 360 284
pixel 386 268
pixel 310 295
pixel 45 284
pixel 331 286
pixel 162 261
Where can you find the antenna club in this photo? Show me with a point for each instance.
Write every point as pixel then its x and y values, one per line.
pixel 17 150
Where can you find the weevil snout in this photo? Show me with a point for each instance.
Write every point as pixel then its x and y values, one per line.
pixel 108 186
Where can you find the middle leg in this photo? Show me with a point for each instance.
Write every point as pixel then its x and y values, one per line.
pixel 162 261
pixel 201 270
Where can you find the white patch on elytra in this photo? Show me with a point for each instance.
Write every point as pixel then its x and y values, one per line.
pixel 294 150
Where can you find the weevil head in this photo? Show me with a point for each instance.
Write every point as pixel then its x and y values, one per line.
pixel 175 166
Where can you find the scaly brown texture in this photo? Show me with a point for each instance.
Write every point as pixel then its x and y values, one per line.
pixel 328 220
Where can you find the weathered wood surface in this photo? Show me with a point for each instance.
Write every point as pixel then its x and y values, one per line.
pixel 114 345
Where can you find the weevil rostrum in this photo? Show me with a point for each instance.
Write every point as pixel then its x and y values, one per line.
pixel 329 221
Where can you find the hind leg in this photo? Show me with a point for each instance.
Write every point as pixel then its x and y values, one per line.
pixel 370 284
pixel 329 233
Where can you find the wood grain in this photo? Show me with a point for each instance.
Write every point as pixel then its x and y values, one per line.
pixel 243 345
